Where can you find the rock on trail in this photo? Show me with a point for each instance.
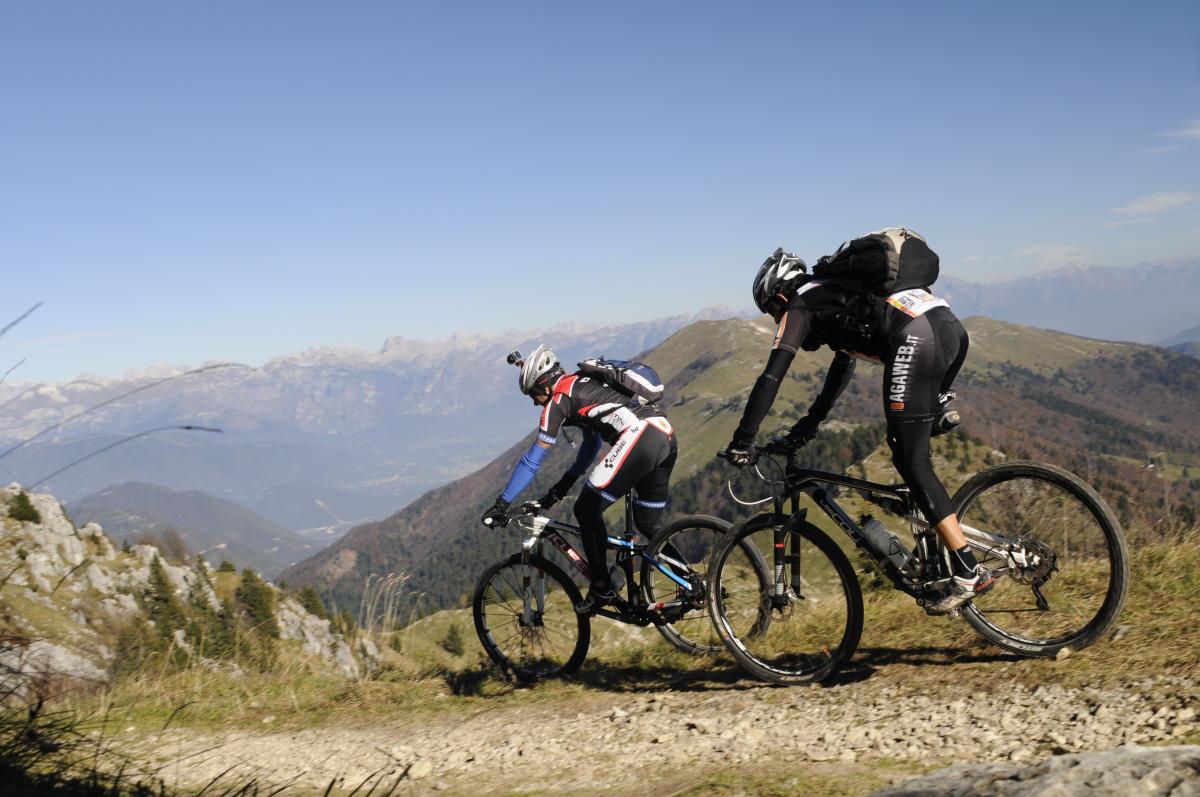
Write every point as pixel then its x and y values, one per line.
pixel 1125 772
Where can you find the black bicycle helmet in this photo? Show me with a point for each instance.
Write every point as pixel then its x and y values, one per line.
pixel 777 280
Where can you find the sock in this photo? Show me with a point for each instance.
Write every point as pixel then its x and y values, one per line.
pixel 964 562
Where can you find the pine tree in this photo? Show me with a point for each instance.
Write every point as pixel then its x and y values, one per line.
pixel 258 599
pixel 311 601
pixel 23 509
pixel 161 604
pixel 226 566
pixel 201 571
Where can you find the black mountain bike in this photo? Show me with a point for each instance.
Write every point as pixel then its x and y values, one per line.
pixel 1055 546
pixel 524 604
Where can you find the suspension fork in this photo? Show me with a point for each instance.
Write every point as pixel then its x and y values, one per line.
pixel 785 552
pixel 793 558
pixel 779 534
pixel 533 588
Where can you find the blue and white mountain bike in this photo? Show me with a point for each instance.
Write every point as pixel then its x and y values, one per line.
pixel 524 604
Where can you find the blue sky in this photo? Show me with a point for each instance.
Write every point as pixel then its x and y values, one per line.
pixel 182 182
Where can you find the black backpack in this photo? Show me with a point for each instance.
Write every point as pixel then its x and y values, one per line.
pixel 884 262
pixel 634 379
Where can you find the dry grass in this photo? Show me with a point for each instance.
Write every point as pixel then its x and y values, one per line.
pixel 900 645
pixel 1154 635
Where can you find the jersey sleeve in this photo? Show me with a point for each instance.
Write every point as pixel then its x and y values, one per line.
pixel 793 328
pixel 840 372
pixel 554 415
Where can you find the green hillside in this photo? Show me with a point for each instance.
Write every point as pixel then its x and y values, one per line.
pixel 1105 410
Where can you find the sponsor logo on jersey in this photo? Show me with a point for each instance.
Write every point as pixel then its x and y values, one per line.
pixel 615 453
pixel 901 371
pixel 915 302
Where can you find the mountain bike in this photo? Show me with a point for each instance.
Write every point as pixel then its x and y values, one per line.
pixel 1056 548
pixel 524 604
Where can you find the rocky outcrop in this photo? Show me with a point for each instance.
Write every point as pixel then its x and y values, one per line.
pixel 1124 772
pixel 69 592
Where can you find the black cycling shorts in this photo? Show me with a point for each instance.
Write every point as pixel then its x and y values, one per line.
pixel 923 360
pixel 641 457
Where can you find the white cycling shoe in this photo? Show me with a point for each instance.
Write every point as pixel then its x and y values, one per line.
pixel 962 591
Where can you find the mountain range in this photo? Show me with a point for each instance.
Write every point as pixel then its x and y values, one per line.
pixel 315 442
pixel 1144 303
pixel 1185 342
pixel 134 512
pixel 324 440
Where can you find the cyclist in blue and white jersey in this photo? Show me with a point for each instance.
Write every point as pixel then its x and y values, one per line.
pixel 641 455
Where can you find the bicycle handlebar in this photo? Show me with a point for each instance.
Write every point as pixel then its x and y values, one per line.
pixel 774 449
pixel 523 510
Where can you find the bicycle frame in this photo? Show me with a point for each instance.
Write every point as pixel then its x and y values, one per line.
pixel 542 529
pixel 928 570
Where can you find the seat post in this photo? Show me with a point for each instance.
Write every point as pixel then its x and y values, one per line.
pixel 629 515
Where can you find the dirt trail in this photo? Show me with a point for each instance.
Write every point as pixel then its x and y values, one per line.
pixel 672 742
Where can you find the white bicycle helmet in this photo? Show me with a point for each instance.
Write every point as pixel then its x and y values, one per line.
pixel 539 370
pixel 777 280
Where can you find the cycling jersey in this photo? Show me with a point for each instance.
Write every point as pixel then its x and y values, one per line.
pixel 591 405
pixel 824 313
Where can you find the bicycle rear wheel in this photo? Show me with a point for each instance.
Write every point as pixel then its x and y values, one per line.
pixel 1078 565
pixel 809 632
pixel 525 618
pixel 686 546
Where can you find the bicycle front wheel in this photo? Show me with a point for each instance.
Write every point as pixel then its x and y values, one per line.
pixel 525 618
pixel 802 624
pixel 1071 584
pixel 686 548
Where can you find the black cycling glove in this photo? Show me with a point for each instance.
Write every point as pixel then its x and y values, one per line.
pixel 741 456
pixel 497 515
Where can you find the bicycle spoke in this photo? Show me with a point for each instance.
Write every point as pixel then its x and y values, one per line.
pixel 786 638
pixel 526 640
pixel 1071 550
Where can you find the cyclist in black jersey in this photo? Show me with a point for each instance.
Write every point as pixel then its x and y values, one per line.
pixel 641 455
pixel 921 345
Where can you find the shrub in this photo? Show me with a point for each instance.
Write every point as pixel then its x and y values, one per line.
pixel 311 602
pixel 343 623
pixel 161 604
pixel 226 566
pixel 453 642
pixel 23 509
pixel 258 599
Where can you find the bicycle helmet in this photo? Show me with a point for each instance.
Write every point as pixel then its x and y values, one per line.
pixel 539 370
pixel 777 280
